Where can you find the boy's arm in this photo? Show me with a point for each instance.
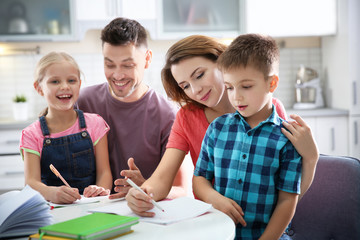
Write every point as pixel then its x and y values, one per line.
pixel 282 215
pixel 205 192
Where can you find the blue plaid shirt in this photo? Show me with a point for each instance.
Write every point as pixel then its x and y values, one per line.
pixel 250 166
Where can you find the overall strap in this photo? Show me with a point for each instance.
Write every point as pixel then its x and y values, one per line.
pixel 82 123
pixel 44 127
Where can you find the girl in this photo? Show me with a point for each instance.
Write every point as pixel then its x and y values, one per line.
pixel 73 141
pixel 191 78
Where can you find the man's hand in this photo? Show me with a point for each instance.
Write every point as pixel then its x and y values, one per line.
pixel 121 186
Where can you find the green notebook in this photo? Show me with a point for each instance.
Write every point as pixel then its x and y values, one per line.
pixel 93 226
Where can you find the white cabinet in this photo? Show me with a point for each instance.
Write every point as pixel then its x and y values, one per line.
pixel 330 133
pixel 178 19
pixel 11 173
pixel 354 141
pixel 96 14
pixel 11 163
pixel 289 18
pixel 37 20
pixel 330 128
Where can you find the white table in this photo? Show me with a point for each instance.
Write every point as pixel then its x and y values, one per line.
pixel 213 225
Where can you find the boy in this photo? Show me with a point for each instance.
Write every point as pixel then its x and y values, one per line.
pixel 256 169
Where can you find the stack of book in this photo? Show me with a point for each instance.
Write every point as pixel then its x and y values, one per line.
pixel 91 227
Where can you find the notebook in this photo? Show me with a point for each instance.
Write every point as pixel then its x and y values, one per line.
pixel 91 227
pixel 23 212
pixel 176 210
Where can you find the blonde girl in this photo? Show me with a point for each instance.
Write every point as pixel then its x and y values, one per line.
pixel 72 141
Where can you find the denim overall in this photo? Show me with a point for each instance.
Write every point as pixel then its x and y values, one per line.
pixel 72 155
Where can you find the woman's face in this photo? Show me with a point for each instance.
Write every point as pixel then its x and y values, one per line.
pixel 200 79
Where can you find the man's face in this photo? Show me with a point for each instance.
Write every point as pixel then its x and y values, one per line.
pixel 124 68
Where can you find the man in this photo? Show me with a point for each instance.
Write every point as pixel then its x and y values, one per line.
pixel 140 120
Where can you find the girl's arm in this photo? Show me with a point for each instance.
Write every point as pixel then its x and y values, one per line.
pixel 301 137
pixel 282 215
pixel 166 178
pixel 103 172
pixel 62 194
pixel 204 190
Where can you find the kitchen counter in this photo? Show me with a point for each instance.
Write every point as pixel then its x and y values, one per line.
pixel 12 124
pixel 318 112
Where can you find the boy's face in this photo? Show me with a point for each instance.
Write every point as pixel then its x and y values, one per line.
pixel 249 92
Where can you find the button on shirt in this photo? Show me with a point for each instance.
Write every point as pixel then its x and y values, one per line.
pixel 250 166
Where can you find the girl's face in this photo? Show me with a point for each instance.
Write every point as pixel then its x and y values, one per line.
pixel 200 79
pixel 60 86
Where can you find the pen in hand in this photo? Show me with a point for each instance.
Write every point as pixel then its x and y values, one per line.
pixel 138 188
pixel 56 172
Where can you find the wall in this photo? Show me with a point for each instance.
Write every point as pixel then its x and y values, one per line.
pixel 336 61
pixel 16 71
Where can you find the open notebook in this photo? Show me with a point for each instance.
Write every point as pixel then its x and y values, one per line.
pixel 23 212
pixel 174 210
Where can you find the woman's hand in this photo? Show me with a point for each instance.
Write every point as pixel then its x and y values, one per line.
pixel 139 203
pixel 301 137
pixel 94 190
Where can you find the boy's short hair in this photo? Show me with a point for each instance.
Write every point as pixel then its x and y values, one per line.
pixel 257 50
pixel 122 31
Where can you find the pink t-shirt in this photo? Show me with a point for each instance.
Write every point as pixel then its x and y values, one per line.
pixel 32 138
pixel 190 127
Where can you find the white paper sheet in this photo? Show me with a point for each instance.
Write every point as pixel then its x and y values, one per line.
pixel 84 200
pixel 174 210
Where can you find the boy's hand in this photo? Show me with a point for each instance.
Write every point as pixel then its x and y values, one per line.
pixel 230 208
pixel 139 203
pixel 94 190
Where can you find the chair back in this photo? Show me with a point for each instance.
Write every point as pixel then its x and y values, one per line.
pixel 331 207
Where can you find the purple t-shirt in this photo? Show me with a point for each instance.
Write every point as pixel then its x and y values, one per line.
pixel 138 129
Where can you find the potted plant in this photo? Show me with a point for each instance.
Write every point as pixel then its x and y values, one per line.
pixel 20 107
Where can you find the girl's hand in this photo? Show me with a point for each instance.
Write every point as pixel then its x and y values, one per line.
pixel 229 207
pixel 93 191
pixel 64 194
pixel 301 137
pixel 139 203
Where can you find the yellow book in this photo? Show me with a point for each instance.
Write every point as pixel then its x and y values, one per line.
pixel 36 236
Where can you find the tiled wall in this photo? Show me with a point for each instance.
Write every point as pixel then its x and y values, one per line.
pixel 16 76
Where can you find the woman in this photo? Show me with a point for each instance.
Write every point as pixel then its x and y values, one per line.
pixel 191 78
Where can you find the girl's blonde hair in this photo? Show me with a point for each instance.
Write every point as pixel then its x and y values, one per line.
pixel 46 61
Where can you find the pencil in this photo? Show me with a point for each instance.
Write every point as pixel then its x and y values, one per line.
pixel 56 172
pixel 138 188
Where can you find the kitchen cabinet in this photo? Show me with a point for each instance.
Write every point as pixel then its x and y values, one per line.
pixel 341 57
pixel 354 141
pixel 37 20
pixel 329 128
pixel 11 163
pixel 178 19
pixel 96 14
pixel 290 18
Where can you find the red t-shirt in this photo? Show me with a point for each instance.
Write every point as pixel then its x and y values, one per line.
pixel 190 127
